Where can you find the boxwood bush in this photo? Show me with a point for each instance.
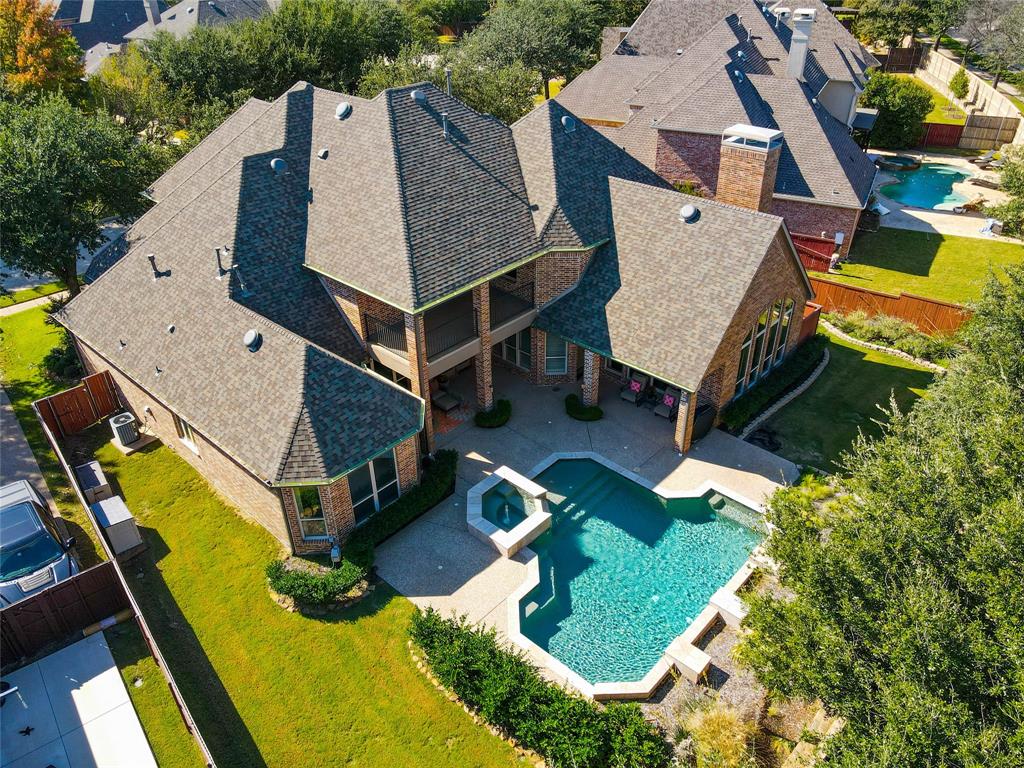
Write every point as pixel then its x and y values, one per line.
pixel 509 693
pixel 498 416
pixel 575 408
pixel 791 373
pixel 313 585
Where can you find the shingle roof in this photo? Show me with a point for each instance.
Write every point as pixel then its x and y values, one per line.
pixel 293 411
pixel 567 176
pixel 182 18
pixel 605 91
pixel 662 296
pixel 101 33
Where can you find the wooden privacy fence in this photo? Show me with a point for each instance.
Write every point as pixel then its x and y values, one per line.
pixel 72 410
pixel 929 315
pixel 815 252
pixel 809 322
pixel 66 608
pixel 988 131
pixel 901 59
pixel 941 135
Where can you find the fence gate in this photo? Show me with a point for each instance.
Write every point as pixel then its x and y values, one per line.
pixel 72 410
pixel 815 252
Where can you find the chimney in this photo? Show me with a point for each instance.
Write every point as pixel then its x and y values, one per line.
pixel 748 162
pixel 152 11
pixel 803 20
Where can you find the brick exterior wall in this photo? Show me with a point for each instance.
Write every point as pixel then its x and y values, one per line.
pixel 539 348
pixel 812 219
pixel 690 157
pixel 416 344
pixel 241 489
pixel 557 272
pixel 746 177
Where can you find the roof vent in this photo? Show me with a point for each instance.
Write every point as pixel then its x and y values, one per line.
pixel 322 154
pixel 343 110
pixel 252 340
pixel 122 343
pixel 418 96
pixel 191 10
pixel 159 370
pixel 679 51
pixel 171 328
pixel 568 123
pixel 738 75
pixel 278 166
pixel 444 122
pixel 689 213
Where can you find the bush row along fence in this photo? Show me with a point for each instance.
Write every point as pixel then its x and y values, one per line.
pixel 71 411
pixel 931 316
pixel 112 564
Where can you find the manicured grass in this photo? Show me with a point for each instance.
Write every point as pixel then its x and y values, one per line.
pixel 27 294
pixel 268 687
pixel 25 338
pixel 824 421
pixel 943 110
pixel 926 264
pixel 172 745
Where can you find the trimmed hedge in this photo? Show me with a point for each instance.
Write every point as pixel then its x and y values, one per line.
pixel 575 408
pixel 509 693
pixel 314 586
pixel 498 416
pixel 797 367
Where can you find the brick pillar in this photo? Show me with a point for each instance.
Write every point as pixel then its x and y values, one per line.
pixel 683 437
pixel 591 377
pixel 482 362
pixel 419 376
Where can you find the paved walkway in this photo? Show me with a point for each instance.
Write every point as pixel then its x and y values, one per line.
pixel 31 303
pixel 16 459
pixel 437 562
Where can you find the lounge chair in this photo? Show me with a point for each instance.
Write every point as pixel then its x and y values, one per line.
pixel 971 205
pixel 634 391
pixel 985 159
pixel 445 400
pixel 669 404
pixel 978 181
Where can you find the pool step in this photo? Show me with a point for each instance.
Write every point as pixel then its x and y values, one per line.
pixel 717 502
pixel 591 492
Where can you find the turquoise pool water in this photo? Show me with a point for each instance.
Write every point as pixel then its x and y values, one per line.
pixel 930 186
pixel 503 505
pixel 623 571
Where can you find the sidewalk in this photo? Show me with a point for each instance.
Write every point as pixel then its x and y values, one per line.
pixel 31 303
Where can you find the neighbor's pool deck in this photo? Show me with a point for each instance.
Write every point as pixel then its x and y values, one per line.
pixel 437 562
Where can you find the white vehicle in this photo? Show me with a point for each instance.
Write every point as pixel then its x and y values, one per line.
pixel 32 555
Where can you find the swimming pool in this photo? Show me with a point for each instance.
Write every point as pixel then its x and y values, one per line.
pixel 930 186
pixel 624 571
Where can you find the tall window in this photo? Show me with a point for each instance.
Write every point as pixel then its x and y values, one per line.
pixel 516 349
pixel 555 355
pixel 741 373
pixel 311 512
pixel 761 330
pixel 185 433
pixel 373 486
pixel 773 335
pixel 787 322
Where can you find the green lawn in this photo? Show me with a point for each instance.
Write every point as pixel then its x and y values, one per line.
pixel 268 687
pixel 924 263
pixel 943 110
pixel 823 422
pixel 24 341
pixel 27 294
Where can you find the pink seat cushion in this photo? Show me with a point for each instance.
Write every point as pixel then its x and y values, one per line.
pixel 669 400
pixel 634 386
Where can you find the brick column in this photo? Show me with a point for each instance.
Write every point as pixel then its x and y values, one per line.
pixel 683 437
pixel 482 362
pixel 591 377
pixel 419 376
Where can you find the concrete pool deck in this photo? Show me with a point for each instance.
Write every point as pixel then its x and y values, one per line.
pixel 437 562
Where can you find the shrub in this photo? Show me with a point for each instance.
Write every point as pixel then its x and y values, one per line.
pixel 509 693
pixel 575 408
pixel 498 416
pixel 314 585
pixel 438 481
pixel 720 737
pixel 791 373
pixel 61 363
pixel 902 106
pixel 895 332
pixel 689 188
pixel 959 84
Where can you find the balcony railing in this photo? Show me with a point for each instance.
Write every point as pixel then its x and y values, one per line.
pixel 507 304
pixel 390 335
pixel 450 334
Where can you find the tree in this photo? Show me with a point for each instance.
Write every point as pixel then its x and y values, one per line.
pixel 995 28
pixel 905 612
pixel 552 37
pixel 1011 181
pixel 902 106
pixel 35 52
pixel 890 21
pixel 129 86
pixel 619 13
pixel 960 84
pixel 450 13
pixel 61 171
pixel 944 15
pixel 208 63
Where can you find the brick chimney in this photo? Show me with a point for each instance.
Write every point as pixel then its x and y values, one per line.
pixel 803 21
pixel 747 166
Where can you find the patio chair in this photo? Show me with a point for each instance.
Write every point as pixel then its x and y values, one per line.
pixel 445 400
pixel 984 159
pixel 634 390
pixel 668 406
pixel 971 205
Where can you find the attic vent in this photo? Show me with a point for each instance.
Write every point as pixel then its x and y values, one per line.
pixel 252 340
pixel 343 110
pixel 568 123
pixel 191 10
pixel 689 213
pixel 679 51
pixel 171 328
pixel 278 166
pixel 738 75
pixel 418 96
pixel 322 154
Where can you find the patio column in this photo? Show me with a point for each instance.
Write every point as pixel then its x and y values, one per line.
pixel 591 377
pixel 482 362
pixel 684 422
pixel 419 375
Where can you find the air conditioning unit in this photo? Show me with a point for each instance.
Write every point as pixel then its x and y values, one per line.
pixel 126 429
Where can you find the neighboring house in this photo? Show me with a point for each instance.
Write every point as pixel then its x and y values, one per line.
pixel 412 235
pixel 186 15
pixel 100 26
pixel 688 69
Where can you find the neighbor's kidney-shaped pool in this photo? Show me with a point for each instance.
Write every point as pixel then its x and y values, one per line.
pixel 624 571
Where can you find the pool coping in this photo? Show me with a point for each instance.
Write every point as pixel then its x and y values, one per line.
pixel 509 542
pixel 682 654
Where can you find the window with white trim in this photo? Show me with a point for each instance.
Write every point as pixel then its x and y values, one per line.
pixel 373 486
pixel 741 372
pixel 787 322
pixel 516 349
pixel 310 508
pixel 556 355
pixel 185 433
